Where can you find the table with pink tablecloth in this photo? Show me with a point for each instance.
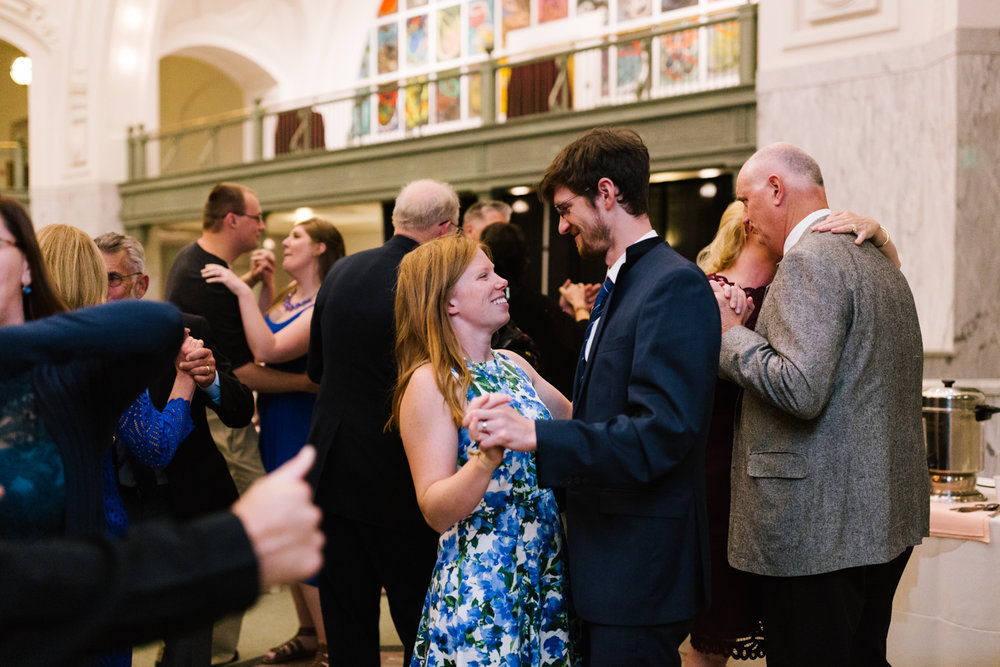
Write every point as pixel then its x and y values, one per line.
pixel 947 606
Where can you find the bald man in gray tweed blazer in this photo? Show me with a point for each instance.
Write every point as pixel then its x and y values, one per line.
pixel 829 478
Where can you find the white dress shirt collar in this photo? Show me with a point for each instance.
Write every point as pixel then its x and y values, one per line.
pixel 802 228
pixel 618 263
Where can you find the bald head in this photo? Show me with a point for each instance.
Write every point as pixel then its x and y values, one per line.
pixel 425 209
pixel 779 186
pixel 793 163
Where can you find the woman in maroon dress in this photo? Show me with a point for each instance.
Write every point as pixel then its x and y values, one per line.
pixel 731 627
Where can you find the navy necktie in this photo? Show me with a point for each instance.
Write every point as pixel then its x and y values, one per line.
pixel 595 313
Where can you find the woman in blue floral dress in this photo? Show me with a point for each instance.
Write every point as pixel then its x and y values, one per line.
pixel 497 594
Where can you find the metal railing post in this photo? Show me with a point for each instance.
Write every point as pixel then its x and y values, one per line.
pixel 140 152
pixel 747 17
pixel 489 89
pixel 307 122
pixel 130 153
pixel 257 127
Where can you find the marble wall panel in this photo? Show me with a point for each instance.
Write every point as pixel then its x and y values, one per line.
pixel 882 128
pixel 93 207
pixel 977 206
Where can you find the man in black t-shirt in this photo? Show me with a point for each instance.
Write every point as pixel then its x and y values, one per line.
pixel 232 225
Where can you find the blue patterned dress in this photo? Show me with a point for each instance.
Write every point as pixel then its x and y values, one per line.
pixel 498 591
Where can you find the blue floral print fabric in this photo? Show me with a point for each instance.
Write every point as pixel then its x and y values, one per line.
pixel 498 592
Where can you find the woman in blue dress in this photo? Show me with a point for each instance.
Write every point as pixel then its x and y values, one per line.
pixel 497 594
pixel 278 333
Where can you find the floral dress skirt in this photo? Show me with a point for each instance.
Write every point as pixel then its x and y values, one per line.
pixel 498 591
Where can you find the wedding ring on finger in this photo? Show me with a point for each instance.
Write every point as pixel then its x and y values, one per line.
pixel 483 427
pixel 854 229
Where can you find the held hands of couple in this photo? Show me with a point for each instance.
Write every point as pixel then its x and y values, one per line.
pixel 196 360
pixel 577 299
pixel 735 306
pixel 262 263
pixel 573 299
pixel 494 424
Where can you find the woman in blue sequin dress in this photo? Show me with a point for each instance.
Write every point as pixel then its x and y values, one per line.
pixel 497 594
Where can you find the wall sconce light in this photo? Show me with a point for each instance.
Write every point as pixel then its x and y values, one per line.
pixel 20 71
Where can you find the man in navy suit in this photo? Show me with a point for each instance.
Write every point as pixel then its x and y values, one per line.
pixel 376 536
pixel 631 461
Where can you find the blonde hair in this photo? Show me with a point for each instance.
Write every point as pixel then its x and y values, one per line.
pixel 728 243
pixel 75 265
pixel 424 334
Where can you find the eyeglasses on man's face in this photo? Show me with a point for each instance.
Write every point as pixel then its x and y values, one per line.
pixel 115 279
pixel 259 217
pixel 450 227
pixel 562 208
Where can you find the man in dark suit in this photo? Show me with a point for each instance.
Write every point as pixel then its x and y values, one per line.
pixel 631 461
pixel 376 536
pixel 829 472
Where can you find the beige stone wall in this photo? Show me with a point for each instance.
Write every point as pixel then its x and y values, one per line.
pixel 897 103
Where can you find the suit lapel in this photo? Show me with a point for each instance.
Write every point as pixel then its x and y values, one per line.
pixel 633 254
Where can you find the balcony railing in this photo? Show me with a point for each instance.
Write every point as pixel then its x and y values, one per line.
pixel 712 53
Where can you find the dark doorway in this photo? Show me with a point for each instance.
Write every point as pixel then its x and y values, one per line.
pixel 686 212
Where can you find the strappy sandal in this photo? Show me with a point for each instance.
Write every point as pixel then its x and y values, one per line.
pixel 322 658
pixel 293 649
